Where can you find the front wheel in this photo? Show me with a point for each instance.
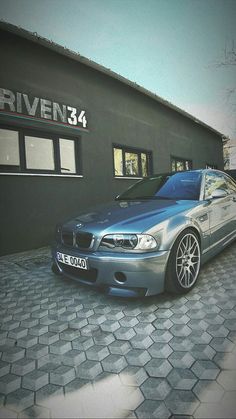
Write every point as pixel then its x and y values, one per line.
pixel 184 263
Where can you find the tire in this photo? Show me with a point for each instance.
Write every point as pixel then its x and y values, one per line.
pixel 184 263
pixel 55 269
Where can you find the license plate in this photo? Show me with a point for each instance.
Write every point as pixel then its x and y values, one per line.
pixel 74 261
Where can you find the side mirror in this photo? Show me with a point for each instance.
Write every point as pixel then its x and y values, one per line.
pixel 218 193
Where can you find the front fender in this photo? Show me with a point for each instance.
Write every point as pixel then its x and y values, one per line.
pixel 168 231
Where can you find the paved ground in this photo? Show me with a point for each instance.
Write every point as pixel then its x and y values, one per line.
pixel 70 351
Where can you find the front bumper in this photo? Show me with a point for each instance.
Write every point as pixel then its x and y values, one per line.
pixel 118 274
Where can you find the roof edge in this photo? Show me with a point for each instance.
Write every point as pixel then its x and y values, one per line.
pixel 38 39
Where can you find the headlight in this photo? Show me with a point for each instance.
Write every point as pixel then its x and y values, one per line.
pixel 129 241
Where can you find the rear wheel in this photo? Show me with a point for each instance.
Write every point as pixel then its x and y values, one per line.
pixel 184 263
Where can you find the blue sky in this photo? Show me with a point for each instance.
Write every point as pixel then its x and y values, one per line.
pixel 167 46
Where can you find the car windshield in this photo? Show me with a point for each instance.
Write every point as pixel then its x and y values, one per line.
pixel 181 185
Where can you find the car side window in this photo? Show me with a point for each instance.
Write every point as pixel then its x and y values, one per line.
pixel 231 185
pixel 214 181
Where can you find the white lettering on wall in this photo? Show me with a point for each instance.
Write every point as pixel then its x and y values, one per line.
pixel 25 104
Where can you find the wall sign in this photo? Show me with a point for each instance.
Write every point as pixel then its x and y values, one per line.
pixel 18 103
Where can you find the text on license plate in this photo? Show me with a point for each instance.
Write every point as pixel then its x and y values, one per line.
pixel 74 261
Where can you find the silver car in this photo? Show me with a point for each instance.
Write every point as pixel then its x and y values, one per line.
pixel 153 237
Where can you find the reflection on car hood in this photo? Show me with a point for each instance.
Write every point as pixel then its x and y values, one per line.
pixel 127 216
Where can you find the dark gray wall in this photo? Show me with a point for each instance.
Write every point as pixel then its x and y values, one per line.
pixel 31 205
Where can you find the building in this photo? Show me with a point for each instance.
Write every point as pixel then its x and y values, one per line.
pixel 73 134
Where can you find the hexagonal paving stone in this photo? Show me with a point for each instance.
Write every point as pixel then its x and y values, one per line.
pixel 156 388
pixel 23 366
pixel 82 343
pixel 119 347
pixel 115 314
pixel 182 379
pixel 73 357
pixel 208 391
pixel 203 352
pixel 4 368
pixel 18 333
pixel 28 341
pixel 200 337
pixel 50 390
pixel 217 331
pixel 180 344
pixel 158 368
pixel 9 383
pixel 97 353
pixel 180 330
pixel 164 313
pixel 110 326
pixel 196 314
pixel 161 336
pixel 90 330
pixel 181 359
pixel 124 333
pixel 163 323
pixel 146 317
pixel 141 341
pixel 34 380
pixel 89 370
pixel 128 321
pixel 58 326
pixel 198 325
pixel 48 338
pixel 129 311
pixel 226 362
pixel 222 344
pixel 227 379
pixel 12 353
pixel 180 319
pixel 104 338
pixel 60 347
pixel 160 350
pixel 181 402
pixel 62 375
pixel 84 313
pixel 38 330
pixel 144 328
pixel 70 334
pixel 152 409
pixel 205 370
pixel 36 351
pixel 114 363
pixel 212 318
pixel 133 376
pixel 137 357
pixel 77 324
pixel 20 399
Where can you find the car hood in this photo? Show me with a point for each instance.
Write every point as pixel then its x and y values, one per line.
pixel 127 216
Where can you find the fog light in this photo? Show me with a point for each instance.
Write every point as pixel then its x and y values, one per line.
pixel 120 277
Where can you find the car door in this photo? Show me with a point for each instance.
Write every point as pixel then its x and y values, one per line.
pixel 220 209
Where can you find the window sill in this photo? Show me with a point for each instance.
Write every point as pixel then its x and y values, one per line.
pixel 127 177
pixel 40 174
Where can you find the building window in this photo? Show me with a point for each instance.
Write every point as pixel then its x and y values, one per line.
pixel 9 149
pixel 24 151
pixel 131 162
pixel 211 166
pixel 39 153
pixel 67 155
pixel 179 164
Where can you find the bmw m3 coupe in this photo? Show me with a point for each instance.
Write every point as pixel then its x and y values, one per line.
pixel 153 237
